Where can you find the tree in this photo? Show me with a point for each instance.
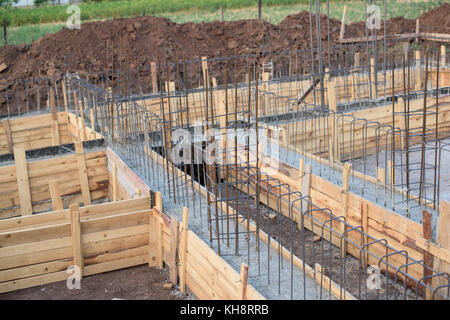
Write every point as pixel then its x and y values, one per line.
pixel 7 3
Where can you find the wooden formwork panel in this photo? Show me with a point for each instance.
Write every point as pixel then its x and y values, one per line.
pixel 63 169
pixel 38 249
pixel 34 132
pixel 400 232
pixel 355 137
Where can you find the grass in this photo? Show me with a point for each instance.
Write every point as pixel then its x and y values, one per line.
pixel 274 14
pixel 114 9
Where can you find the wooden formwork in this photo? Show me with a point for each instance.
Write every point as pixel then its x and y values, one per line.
pixel 69 244
pixel 357 85
pixel 26 186
pixel 378 222
pixel 38 249
pixel 40 131
pixel 198 266
pixel 360 132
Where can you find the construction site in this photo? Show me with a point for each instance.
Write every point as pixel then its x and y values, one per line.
pixel 312 163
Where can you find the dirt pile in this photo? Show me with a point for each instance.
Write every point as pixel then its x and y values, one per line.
pixel 394 26
pixel 436 20
pixel 140 40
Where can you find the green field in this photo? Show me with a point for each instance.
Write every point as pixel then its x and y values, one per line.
pixel 28 24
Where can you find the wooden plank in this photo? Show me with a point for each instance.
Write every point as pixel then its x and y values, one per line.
pixel 159 230
pixel 82 172
pixel 341 34
pixel 183 249
pixel 116 254
pixel 112 222
pixel 443 239
pixel 152 240
pixel 76 237
pixel 154 72
pixel 34 270
pixel 174 234
pixel 244 280
pixel 115 265
pixel 22 181
pixel 159 240
pixel 86 213
pixel 33 281
pixel 306 186
pixel 115 187
pixel 55 194
pixel 8 135
pixel 55 133
pixel 427 257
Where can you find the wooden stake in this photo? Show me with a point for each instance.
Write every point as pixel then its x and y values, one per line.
pixel 442 62
pixel 158 201
pixel 365 226
pixel 443 239
pixel 391 171
pixel 357 59
pixel 184 249
pixel 174 235
pixel 381 176
pixel 205 70
pixel 427 257
pixel 244 279
pixel 55 133
pixel 23 184
pixel 341 35
pixel 9 140
pixel 373 78
pixel 418 72
pixel 76 237
pixel 305 190
pixel 55 194
pixel 82 173
pixel 92 119
pixel 75 99
pixel 333 145
pixel 301 163
pixel 152 240
pixel 159 232
pixel 52 101
pixel 64 94
pixel 115 187
pixel 154 77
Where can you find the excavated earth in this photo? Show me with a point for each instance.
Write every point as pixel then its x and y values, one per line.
pixel 138 41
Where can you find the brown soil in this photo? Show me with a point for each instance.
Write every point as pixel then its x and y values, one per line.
pixel 436 20
pixel 138 41
pixel 135 283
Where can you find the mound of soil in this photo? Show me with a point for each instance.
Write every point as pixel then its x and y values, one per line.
pixel 140 40
pixel 436 20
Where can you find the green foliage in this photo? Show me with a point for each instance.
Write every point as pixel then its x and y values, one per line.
pixel 105 9
pixel 39 3
pixel 7 3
